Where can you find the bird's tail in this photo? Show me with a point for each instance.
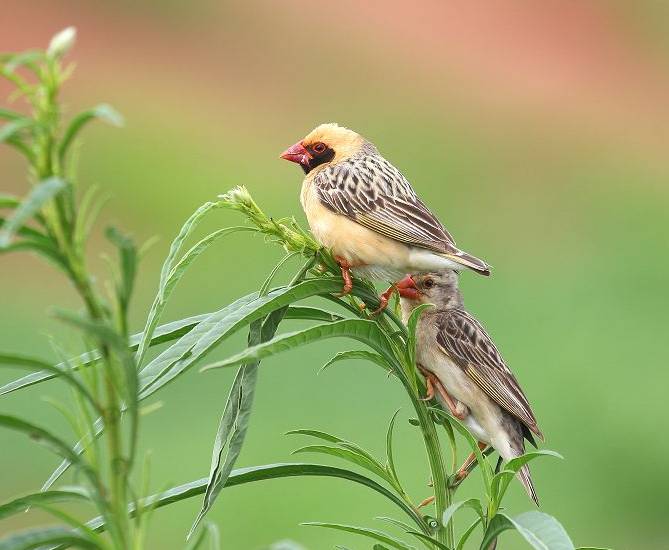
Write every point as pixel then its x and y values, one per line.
pixel 467 260
pixel 526 479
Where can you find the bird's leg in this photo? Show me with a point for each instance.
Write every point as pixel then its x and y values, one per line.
pixel 457 409
pixel 463 471
pixel 384 299
pixel 429 394
pixel 345 267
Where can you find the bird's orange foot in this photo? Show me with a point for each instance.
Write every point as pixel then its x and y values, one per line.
pixel 464 470
pixel 384 299
pixel 345 267
pixel 429 395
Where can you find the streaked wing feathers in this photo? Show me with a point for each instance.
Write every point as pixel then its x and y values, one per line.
pixel 467 343
pixel 375 194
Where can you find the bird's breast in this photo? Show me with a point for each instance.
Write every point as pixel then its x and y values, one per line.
pixel 373 254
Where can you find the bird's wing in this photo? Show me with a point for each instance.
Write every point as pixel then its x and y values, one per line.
pixel 467 343
pixel 372 192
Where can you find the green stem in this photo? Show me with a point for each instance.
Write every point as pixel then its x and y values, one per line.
pixel 442 492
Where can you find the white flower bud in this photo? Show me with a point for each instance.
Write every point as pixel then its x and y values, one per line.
pixel 62 42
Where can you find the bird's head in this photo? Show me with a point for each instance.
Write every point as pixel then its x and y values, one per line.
pixel 438 288
pixel 326 144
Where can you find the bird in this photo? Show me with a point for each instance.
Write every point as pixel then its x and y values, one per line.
pixel 460 360
pixel 365 211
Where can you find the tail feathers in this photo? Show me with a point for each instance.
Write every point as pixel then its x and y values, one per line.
pixel 526 479
pixel 467 260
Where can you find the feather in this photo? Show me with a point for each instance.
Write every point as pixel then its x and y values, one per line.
pixel 467 343
pixel 369 190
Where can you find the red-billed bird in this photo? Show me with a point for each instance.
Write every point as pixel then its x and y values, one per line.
pixel 365 211
pixel 460 361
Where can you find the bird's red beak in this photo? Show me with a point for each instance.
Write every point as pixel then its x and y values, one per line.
pixel 407 288
pixel 297 153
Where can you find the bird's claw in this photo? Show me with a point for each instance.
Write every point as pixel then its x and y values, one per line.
pixel 384 299
pixel 345 267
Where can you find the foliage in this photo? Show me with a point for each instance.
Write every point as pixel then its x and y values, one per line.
pixel 113 376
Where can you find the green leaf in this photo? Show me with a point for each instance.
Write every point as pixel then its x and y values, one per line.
pixel 500 482
pixel 307 313
pixel 349 455
pixel 21 504
pixel 11 129
pixel 472 503
pixel 128 262
pixel 370 533
pixel 264 289
pixel 9 201
pixel 211 533
pixel 484 465
pixel 27 58
pixel 103 112
pixel 389 447
pixel 541 531
pixel 212 331
pixel 365 331
pixel 16 360
pixel 37 538
pixel 50 441
pixel 468 532
pixel 108 335
pixel 235 419
pixel 172 271
pixel 6 114
pixel 164 333
pixel 363 355
pixel 38 197
pixel 318 434
pixel 242 476
pixel 426 538
pixel 205 336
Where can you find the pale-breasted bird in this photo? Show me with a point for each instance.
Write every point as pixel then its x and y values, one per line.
pixel 460 360
pixel 362 208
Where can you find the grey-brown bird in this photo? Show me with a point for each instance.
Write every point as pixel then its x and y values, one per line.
pixel 460 361
pixel 365 211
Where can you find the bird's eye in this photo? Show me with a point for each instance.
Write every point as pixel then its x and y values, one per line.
pixel 319 147
pixel 428 283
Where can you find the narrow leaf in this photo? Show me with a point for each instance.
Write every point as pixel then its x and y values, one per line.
pixel 38 197
pixel 346 454
pixel 369 533
pixel 500 482
pixel 37 538
pixel 164 333
pixel 426 538
pixel 365 331
pixel 468 532
pixel 103 112
pixel 180 356
pixel 472 503
pixel 363 355
pixel 171 273
pixel 11 129
pixel 48 440
pixel 21 504
pixel 242 476
pixel 62 372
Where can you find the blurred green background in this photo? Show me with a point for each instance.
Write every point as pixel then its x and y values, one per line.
pixel 537 131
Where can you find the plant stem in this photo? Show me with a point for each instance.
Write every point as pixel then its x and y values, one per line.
pixel 442 492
